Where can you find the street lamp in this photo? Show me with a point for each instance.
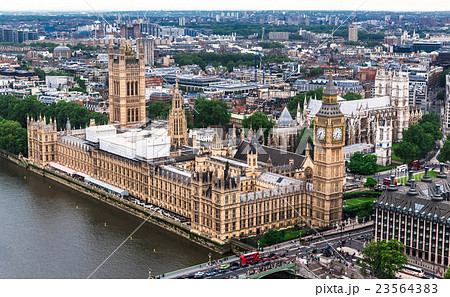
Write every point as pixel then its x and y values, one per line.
pixel 149 273
pixel 209 257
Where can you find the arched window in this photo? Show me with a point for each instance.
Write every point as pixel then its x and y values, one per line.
pixel 136 88
pixel 132 88
pixel 128 89
pixel 137 114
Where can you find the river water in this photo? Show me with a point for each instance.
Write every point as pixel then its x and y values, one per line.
pixel 44 235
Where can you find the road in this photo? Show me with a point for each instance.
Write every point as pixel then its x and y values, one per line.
pixel 290 249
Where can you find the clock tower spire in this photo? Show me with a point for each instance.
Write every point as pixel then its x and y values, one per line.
pixel 329 141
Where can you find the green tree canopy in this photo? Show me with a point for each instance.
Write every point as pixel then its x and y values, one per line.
pixel 407 151
pixel 440 96
pixel 370 182
pixel 13 137
pixel 447 273
pixel 270 44
pixel 273 236
pixel 210 112
pixel 15 109
pixel 444 154
pixel 258 120
pixel 315 72
pixel 158 110
pixel 352 96
pixel 362 164
pixel 386 258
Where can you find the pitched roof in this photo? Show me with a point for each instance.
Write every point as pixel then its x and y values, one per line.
pixel 279 157
pixel 285 118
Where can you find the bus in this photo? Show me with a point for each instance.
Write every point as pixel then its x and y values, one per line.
pixel 413 270
pixel 249 258
pixel 387 181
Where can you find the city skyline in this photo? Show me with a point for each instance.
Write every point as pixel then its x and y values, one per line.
pixel 347 5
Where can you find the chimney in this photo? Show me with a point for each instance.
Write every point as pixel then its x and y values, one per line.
pixel 392 186
pixel 412 190
pixel 437 195
pixel 441 171
pixel 426 178
pixel 410 178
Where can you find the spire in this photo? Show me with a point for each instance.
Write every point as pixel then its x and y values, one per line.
pixel 68 127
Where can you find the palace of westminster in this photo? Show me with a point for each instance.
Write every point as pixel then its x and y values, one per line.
pixel 230 187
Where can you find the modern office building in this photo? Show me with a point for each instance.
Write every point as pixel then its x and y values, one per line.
pixel 417 215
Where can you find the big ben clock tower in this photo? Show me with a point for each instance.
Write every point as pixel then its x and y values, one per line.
pixel 329 141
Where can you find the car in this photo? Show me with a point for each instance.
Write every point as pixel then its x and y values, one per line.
pixel 234 267
pixel 283 255
pixel 210 273
pixel 224 267
pixel 360 237
pixel 266 259
pixel 190 275
pixel 199 274
pixel 275 257
pixel 244 265
pixel 313 251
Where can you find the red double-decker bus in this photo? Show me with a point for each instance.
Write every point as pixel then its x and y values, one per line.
pixel 249 258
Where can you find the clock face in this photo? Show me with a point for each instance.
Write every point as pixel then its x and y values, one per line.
pixel 321 133
pixel 337 134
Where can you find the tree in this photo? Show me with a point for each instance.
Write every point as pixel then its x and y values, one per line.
pixel 416 134
pixel 158 110
pixel 407 151
pixel 444 154
pixel 210 112
pixel 273 236
pixel 447 273
pixel 370 182
pixel 81 83
pixel 259 120
pixel 77 89
pixel 362 164
pixel 293 104
pixel 442 78
pixel 13 137
pixel 315 72
pixel 386 258
pixel 440 96
pixel 352 96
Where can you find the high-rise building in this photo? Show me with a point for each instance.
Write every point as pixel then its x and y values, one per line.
pixel 126 86
pixel 177 121
pixel 149 50
pixel 352 33
pixel 182 21
pixel 329 140
pixel 446 127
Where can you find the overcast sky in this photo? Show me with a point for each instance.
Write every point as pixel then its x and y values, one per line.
pixel 108 5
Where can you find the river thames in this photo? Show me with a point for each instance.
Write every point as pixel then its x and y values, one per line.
pixel 44 235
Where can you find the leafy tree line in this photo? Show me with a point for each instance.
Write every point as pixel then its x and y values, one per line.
pixel 267 45
pixel 229 60
pixel 362 164
pixel 385 258
pixel 300 98
pixel 419 139
pixel 13 137
pixel 352 96
pixel 42 74
pixel 15 109
pixel 206 112
pixel 259 120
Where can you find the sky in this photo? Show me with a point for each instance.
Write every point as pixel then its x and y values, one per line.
pixel 114 5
